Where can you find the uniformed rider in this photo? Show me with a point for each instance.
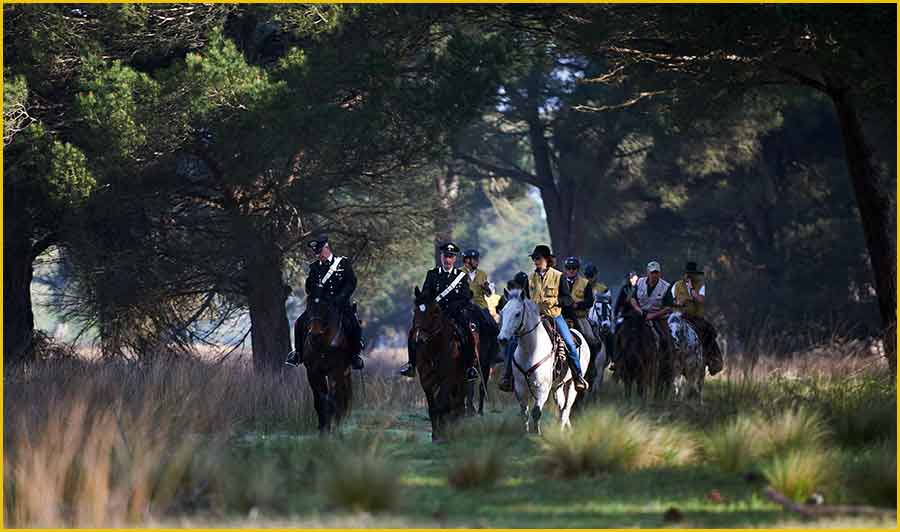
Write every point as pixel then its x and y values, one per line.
pixel 449 286
pixel 331 279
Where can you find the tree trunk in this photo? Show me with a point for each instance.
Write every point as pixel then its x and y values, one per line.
pixel 18 318
pixel 874 206
pixel 559 201
pixel 270 333
pixel 447 187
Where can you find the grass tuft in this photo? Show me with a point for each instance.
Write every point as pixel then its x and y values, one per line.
pixel 481 467
pixel 801 472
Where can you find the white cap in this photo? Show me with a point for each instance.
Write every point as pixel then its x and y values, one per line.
pixel 652 266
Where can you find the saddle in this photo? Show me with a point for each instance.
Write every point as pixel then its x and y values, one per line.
pixel 560 360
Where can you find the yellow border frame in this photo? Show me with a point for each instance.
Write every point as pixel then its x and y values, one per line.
pixel 2 521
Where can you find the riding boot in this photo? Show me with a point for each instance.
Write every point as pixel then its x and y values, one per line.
pixel 469 352
pixel 409 370
pixel 295 357
pixel 580 383
pixel 355 333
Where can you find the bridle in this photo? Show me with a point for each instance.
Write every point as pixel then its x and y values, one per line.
pixel 521 324
pixel 428 334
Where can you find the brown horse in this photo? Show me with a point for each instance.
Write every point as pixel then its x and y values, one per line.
pixel 638 350
pixel 440 365
pixel 326 354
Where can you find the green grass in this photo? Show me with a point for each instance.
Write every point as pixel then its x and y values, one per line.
pixel 382 469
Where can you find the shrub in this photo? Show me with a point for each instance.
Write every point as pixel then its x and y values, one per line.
pixel 872 475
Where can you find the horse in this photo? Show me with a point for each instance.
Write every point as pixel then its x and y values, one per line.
pixel 600 318
pixel 638 350
pixel 326 354
pixel 439 364
pixel 688 363
pixel 534 362
pixel 486 353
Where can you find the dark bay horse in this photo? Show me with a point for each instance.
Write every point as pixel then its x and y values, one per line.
pixel 439 364
pixel 487 350
pixel 326 353
pixel 639 355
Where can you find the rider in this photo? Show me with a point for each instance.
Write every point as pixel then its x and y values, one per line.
pixel 449 286
pixel 549 290
pixel 625 293
pixel 481 288
pixel 653 299
pixel 690 295
pixel 331 279
pixel 600 291
pixel 582 300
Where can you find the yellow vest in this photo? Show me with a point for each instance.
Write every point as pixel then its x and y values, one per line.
pixel 579 287
pixel 479 295
pixel 691 307
pixel 545 292
pixel 599 288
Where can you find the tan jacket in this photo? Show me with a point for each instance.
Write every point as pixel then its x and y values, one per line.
pixel 545 292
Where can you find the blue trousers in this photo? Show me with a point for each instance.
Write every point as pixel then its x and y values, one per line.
pixel 563 327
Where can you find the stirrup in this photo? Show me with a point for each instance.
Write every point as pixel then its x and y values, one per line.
pixel 472 374
pixel 408 371
pixel 356 362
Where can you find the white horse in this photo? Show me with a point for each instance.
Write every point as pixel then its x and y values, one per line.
pixel 688 364
pixel 533 362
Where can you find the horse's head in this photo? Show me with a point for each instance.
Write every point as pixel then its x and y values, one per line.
pixel 603 313
pixel 427 318
pixel 516 315
pixel 320 315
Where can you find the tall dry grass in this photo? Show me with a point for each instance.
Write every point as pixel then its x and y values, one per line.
pixel 97 444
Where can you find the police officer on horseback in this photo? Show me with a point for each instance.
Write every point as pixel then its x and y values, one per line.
pixel 449 287
pixel 331 280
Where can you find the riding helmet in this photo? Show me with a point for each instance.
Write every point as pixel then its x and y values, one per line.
pixel 572 262
pixel 471 254
pixel 590 270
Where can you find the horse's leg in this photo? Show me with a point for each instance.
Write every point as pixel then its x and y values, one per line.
pixel 320 391
pixel 524 400
pixel 486 378
pixel 564 403
pixel 470 398
pixel 343 395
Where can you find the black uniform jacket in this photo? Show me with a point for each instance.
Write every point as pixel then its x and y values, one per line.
pixel 338 288
pixel 438 279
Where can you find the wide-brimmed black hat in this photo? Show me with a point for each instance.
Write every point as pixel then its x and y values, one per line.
pixel 449 248
pixel 542 251
pixel 317 244
pixel 691 267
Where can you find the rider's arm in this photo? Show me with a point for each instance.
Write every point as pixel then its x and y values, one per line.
pixel 349 282
pixel 564 297
pixel 310 285
pixel 668 301
pixel 699 295
pixel 588 300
